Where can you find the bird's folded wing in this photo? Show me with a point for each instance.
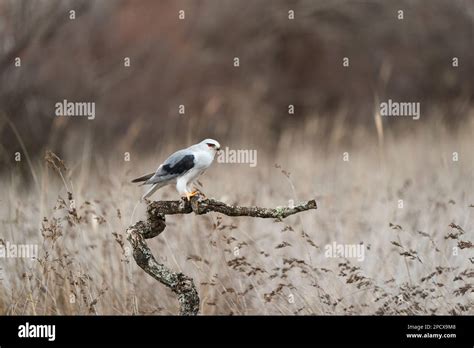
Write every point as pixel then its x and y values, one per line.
pixel 143 178
pixel 176 165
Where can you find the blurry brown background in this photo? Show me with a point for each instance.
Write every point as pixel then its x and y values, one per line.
pixel 190 62
pixel 420 251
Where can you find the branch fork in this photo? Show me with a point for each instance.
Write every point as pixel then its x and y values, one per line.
pixel 182 285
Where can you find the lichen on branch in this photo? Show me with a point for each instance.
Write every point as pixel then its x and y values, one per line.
pixel 182 285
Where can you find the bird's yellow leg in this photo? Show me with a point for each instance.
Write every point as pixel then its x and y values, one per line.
pixel 191 194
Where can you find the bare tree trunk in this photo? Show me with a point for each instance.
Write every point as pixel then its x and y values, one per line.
pixel 179 283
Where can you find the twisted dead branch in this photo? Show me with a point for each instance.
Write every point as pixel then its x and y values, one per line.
pixel 179 283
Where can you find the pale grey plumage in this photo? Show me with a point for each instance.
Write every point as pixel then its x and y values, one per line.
pixel 182 167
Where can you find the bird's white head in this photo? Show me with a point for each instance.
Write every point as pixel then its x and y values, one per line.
pixel 210 145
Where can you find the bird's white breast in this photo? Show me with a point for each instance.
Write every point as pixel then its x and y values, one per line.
pixel 203 159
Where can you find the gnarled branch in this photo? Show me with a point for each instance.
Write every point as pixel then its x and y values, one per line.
pixel 179 283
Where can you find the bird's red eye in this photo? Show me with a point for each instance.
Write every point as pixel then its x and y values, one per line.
pixel 211 145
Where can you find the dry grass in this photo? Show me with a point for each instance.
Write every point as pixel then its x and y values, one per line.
pixel 280 267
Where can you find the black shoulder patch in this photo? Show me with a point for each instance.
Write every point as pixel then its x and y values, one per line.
pixel 185 164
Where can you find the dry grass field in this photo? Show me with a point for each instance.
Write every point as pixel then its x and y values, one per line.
pixel 418 258
pixel 296 81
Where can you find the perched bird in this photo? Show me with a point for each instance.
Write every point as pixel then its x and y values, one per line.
pixel 183 168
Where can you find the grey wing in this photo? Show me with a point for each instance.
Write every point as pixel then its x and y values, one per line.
pixel 176 165
pixel 143 178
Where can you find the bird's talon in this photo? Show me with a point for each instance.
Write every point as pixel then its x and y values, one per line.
pixel 192 194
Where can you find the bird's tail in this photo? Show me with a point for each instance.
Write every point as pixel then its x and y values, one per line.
pixel 152 190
